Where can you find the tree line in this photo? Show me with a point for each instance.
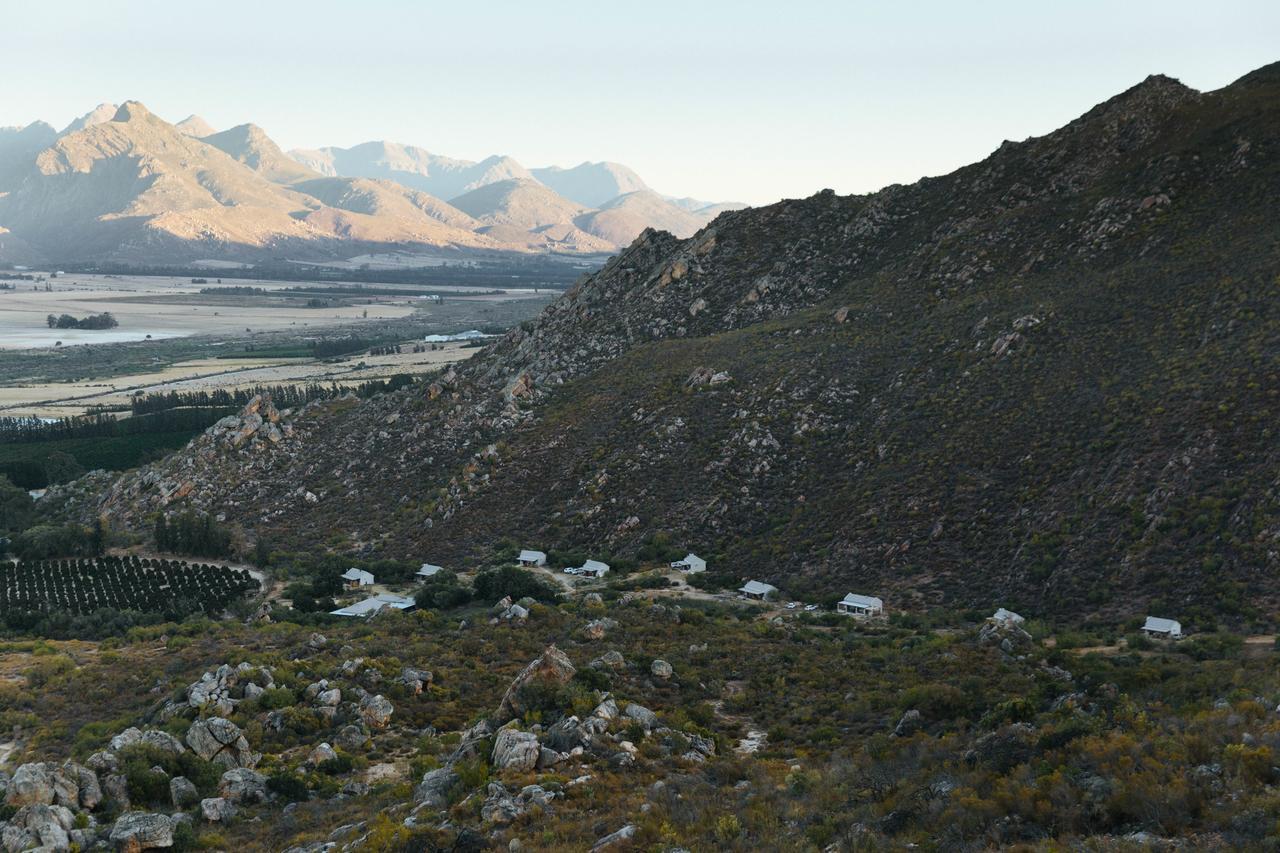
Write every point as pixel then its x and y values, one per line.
pixel 105 320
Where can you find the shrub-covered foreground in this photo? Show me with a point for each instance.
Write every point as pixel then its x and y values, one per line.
pixel 874 737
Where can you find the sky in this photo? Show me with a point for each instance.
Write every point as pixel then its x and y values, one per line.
pixel 746 101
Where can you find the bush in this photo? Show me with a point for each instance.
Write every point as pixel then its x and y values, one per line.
pixel 288 786
pixel 493 584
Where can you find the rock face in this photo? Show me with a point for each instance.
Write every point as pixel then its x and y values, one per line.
pixel 137 831
pixel 515 750
pixel 32 784
pixel 548 672
pixel 220 741
pixel 182 792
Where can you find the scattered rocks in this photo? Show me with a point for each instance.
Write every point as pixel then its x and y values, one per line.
pixel 661 669
pixel 182 792
pixel 242 785
pixel 217 809
pixel 320 754
pixel 434 788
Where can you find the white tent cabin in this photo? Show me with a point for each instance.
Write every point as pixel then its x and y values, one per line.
pixel 532 558
pixel 691 563
pixel 1163 629
pixel 428 570
pixel 1006 618
pixel 354 578
pixel 758 590
pixel 590 569
pixel 370 606
pixel 863 606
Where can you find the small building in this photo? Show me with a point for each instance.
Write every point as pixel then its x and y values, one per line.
pixel 428 570
pixel 758 590
pixel 590 569
pixel 691 563
pixel 354 578
pixel 863 606
pixel 1006 618
pixel 370 606
pixel 532 558
pixel 1163 629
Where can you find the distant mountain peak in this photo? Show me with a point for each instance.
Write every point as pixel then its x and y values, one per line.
pixel 98 115
pixel 194 125
pixel 132 111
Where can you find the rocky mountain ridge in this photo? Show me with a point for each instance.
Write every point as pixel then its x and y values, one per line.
pixel 1044 378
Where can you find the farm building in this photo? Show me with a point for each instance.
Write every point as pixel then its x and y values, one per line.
pixel 428 570
pixel 590 569
pixel 758 590
pixel 532 558
pixel 370 606
pixel 355 578
pixel 691 563
pixel 1164 629
pixel 866 606
pixel 1006 618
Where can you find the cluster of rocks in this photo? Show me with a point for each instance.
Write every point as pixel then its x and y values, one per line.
pixel 506 610
pixel 220 690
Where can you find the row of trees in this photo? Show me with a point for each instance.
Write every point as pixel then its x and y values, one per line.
pixel 192 533
pixel 105 320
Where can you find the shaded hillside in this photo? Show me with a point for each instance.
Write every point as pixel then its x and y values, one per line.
pixel 1048 379
pixel 591 184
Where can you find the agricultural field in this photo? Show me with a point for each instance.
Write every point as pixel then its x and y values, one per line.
pixel 84 585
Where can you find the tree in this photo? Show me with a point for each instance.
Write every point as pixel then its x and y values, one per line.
pixel 17 510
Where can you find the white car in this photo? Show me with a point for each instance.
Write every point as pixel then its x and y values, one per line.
pixel 811 607
pixel 792 605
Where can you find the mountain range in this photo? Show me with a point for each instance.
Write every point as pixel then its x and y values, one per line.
pixel 119 184
pixel 1048 379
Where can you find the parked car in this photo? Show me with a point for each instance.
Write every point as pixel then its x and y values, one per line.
pixel 792 605
pixel 811 607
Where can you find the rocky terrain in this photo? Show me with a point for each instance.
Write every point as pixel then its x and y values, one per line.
pixel 119 184
pixel 1047 378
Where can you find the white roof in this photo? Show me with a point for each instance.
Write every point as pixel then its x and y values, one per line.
pixel 370 606
pixel 690 559
pixel 757 588
pixel 428 570
pixel 354 574
pixel 531 557
pixel 870 602
pixel 1162 626
pixel 1002 615
pixel 594 566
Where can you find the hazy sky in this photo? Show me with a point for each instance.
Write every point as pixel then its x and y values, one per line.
pixel 741 100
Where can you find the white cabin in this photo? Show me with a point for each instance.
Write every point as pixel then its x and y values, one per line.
pixel 370 606
pixel 354 578
pixel 532 558
pixel 863 606
pixel 428 570
pixel 1165 629
pixel 590 569
pixel 691 563
pixel 758 590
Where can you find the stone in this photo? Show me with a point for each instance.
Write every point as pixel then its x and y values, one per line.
pixel 322 753
pixel 126 738
pixel 908 724
pixel 329 698
pixel 515 750
pixel 136 831
pixel 613 839
pixel 434 788
pixel 217 809
pixel 661 669
pixel 376 711
pixel 103 762
pixel 242 785
pixel 116 788
pixel 182 792
pixel 39 825
pixel 352 738
pixel 162 741
pixel 32 784
pixel 641 715
pixel 548 672
pixel 221 741
pixel 499 806
pixel 610 660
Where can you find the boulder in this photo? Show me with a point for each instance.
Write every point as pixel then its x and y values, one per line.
pixel 39 825
pixel 221 741
pixel 499 806
pixel 31 784
pixel 329 698
pixel 415 679
pixel 376 711
pixel 126 738
pixel 515 750
pixel 642 715
pixel 548 672
pixel 610 660
pixel 620 837
pixel 217 809
pixel 137 831
pixel 352 738
pixel 116 787
pixel 242 785
pixel 182 792
pixel 103 762
pixel 322 753
pixel 162 741
pixel 908 724
pixel 661 669
pixel 434 788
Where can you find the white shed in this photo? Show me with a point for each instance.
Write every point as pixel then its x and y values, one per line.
pixel 532 558
pixel 591 569
pixel 865 606
pixel 354 578
pixel 429 570
pixel 758 590
pixel 691 563
pixel 370 606
pixel 1168 629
